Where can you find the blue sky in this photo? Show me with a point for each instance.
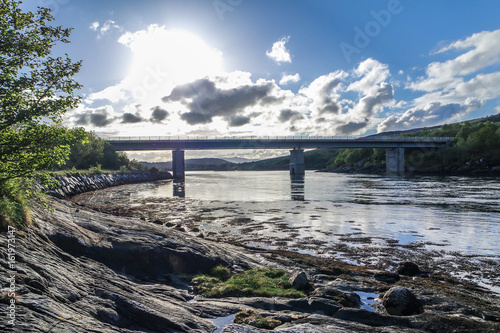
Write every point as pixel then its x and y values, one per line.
pixel 282 67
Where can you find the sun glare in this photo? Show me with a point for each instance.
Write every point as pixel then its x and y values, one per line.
pixel 172 56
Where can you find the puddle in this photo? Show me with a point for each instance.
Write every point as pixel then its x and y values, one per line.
pixel 367 299
pixel 220 322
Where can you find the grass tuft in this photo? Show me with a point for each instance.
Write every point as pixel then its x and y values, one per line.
pixel 262 282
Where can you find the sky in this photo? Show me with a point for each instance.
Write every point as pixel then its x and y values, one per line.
pixel 278 67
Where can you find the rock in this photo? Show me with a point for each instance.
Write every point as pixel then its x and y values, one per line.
pixel 370 318
pixel 323 305
pixel 348 299
pixel 299 280
pixel 408 268
pixel 399 301
pixel 387 277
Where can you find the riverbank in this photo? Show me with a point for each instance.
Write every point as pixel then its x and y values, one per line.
pixel 71 185
pixel 466 170
pixel 80 270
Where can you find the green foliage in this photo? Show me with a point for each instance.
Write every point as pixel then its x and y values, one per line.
pixel 14 208
pixel 36 89
pixel 359 157
pixel 221 272
pixel 135 165
pixel 264 282
pixel 95 169
pixel 94 150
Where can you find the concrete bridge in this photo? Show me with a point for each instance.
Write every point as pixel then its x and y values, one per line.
pixel 394 146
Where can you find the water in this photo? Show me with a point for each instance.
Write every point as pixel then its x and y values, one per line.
pixel 453 213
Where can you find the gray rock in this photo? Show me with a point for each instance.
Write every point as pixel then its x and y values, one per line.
pixel 348 299
pixel 400 301
pixel 387 277
pixel 299 280
pixel 323 306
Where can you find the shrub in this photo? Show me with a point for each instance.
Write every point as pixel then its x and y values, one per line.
pixel 14 203
pixel 95 169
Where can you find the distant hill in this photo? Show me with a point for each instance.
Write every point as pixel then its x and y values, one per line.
pixel 192 164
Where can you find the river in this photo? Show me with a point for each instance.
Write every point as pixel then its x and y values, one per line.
pixel 446 223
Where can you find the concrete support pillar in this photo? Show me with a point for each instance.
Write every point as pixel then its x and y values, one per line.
pixel 297 166
pixel 395 161
pixel 178 164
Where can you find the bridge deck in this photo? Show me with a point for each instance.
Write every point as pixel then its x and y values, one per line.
pixel 197 143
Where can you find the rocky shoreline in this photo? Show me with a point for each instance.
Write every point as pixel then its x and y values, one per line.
pixel 466 170
pixel 80 270
pixel 77 184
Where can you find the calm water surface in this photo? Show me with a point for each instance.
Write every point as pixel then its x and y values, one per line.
pixel 453 213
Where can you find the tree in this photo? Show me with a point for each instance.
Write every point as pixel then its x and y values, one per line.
pixel 36 89
pixel 93 151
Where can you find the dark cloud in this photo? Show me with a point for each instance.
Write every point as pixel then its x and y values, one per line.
pixel 351 127
pixel 236 121
pixel 326 103
pixel 194 118
pixel 289 115
pixel 97 118
pixel 368 104
pixel 430 115
pixel 205 100
pixel 130 118
pixel 158 114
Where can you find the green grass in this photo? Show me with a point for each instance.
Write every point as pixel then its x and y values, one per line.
pixel 262 282
pixel 14 203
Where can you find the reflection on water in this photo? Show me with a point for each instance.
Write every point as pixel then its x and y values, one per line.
pixel 297 188
pixel 179 189
pixel 453 213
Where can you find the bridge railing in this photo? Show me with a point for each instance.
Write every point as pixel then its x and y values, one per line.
pixel 280 138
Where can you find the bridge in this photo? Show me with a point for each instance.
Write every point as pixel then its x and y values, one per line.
pixel 394 146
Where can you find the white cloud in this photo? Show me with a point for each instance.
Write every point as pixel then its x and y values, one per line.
pixel 286 79
pixel 279 53
pixel 94 26
pixel 372 73
pixel 455 87
pixel 483 50
pixel 104 28
pixel 430 115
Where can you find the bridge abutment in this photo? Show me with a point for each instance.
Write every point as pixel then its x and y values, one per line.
pixel 395 161
pixel 297 165
pixel 178 164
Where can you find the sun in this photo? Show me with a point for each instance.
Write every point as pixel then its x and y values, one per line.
pixel 170 56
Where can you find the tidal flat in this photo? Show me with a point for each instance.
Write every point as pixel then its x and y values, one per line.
pixel 264 225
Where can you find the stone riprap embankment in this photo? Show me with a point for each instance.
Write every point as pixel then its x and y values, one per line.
pixel 73 185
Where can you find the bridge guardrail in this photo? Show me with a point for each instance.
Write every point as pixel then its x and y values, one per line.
pixel 278 138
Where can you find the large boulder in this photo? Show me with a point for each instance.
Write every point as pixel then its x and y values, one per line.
pixel 399 301
pixel 408 268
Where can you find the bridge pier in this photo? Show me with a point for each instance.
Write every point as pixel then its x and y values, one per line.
pixel 178 164
pixel 297 166
pixel 395 161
